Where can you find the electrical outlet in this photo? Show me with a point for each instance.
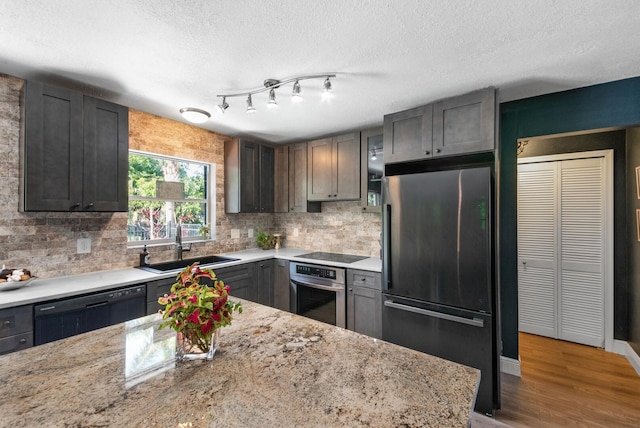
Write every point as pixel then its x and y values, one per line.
pixel 250 233
pixel 84 245
pixel 295 231
pixel 235 233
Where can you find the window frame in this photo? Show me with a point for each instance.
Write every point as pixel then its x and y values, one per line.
pixel 209 201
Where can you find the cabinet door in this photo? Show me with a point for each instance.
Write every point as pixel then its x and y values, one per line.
pixel 281 286
pixel 407 135
pixel 106 157
pixel 346 167
pixel 265 282
pixel 249 177
pixel 155 290
pixel 298 201
pixel 372 169
pixel 241 279
pixel 266 184
pixel 364 302
pixel 364 311
pixel 465 124
pixel 53 164
pixel 319 158
pixel 281 180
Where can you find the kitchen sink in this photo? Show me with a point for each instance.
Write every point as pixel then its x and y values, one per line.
pixel 181 264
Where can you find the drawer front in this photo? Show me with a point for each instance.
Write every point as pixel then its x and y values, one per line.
pixel 16 320
pixel 16 343
pixel 155 290
pixel 363 278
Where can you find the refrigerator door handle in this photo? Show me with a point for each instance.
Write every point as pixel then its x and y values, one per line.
pixel 386 247
pixel 476 322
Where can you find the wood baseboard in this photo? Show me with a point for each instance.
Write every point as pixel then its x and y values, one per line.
pixel 510 366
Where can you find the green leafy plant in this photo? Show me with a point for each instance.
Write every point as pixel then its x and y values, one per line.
pixel 265 240
pixel 195 309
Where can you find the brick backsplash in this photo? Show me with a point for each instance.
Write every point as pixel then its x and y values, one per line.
pixel 45 242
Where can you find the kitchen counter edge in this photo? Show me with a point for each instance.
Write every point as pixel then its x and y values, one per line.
pixel 44 289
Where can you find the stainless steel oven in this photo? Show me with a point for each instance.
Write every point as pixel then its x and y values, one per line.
pixel 318 292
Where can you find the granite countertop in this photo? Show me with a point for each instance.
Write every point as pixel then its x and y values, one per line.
pixel 44 289
pixel 274 369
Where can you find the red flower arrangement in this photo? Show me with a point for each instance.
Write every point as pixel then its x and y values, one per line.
pixel 196 310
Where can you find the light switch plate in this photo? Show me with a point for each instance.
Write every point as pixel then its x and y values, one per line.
pixel 250 233
pixel 84 245
pixel 235 233
pixel 295 231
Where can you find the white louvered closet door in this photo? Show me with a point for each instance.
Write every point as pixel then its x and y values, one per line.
pixel 581 268
pixel 537 206
pixel 561 249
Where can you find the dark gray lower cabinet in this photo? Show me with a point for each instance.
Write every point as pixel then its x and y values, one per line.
pixel 155 290
pixel 265 281
pixel 364 302
pixel 242 280
pixel 281 287
pixel 16 329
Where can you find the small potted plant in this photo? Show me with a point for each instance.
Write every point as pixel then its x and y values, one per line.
pixel 197 311
pixel 265 240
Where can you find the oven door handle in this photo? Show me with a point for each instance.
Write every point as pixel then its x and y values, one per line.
pixel 318 286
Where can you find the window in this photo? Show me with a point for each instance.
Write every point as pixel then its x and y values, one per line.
pixel 165 191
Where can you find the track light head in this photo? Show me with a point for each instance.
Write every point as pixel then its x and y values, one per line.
pixel 224 105
pixel 327 85
pixel 272 99
pixel 296 95
pixel 250 107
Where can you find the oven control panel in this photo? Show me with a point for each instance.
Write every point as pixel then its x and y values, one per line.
pixel 316 271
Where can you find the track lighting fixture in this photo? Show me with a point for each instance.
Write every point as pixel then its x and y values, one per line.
pixel 327 85
pixel 272 84
pixel 272 99
pixel 250 107
pixel 296 95
pixel 223 106
pixel 195 115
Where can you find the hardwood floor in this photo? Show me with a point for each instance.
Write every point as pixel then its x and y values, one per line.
pixel 564 384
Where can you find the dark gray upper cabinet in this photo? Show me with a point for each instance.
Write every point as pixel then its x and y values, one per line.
pixel 298 201
pixel 75 151
pixel 334 168
pixel 407 135
pixel 465 124
pixel 249 177
pixel 372 165
pixel 281 179
pixel 454 126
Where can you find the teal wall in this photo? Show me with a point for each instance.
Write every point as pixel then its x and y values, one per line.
pixel 614 104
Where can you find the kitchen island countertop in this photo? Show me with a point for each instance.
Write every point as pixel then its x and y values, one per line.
pixel 274 369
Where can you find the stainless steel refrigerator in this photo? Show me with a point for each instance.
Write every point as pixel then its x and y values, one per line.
pixel 438 284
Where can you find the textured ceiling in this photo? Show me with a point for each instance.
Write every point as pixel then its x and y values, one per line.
pixel 160 55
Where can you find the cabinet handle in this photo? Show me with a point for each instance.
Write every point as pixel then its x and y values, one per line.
pixel 363 279
pixel 427 152
pixel 262 209
pixel 7 322
pixel 335 196
pixel 23 341
pixel 74 206
pixel 351 289
pixel 438 150
pixel 89 206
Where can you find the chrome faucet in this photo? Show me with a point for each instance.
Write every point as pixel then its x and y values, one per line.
pixel 179 248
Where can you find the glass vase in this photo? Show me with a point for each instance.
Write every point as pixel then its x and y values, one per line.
pixel 188 351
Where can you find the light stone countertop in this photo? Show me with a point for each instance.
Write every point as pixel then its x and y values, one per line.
pixel 41 290
pixel 273 369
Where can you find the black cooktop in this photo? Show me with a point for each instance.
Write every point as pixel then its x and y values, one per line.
pixel 333 257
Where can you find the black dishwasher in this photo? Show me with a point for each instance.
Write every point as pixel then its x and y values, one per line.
pixel 62 318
